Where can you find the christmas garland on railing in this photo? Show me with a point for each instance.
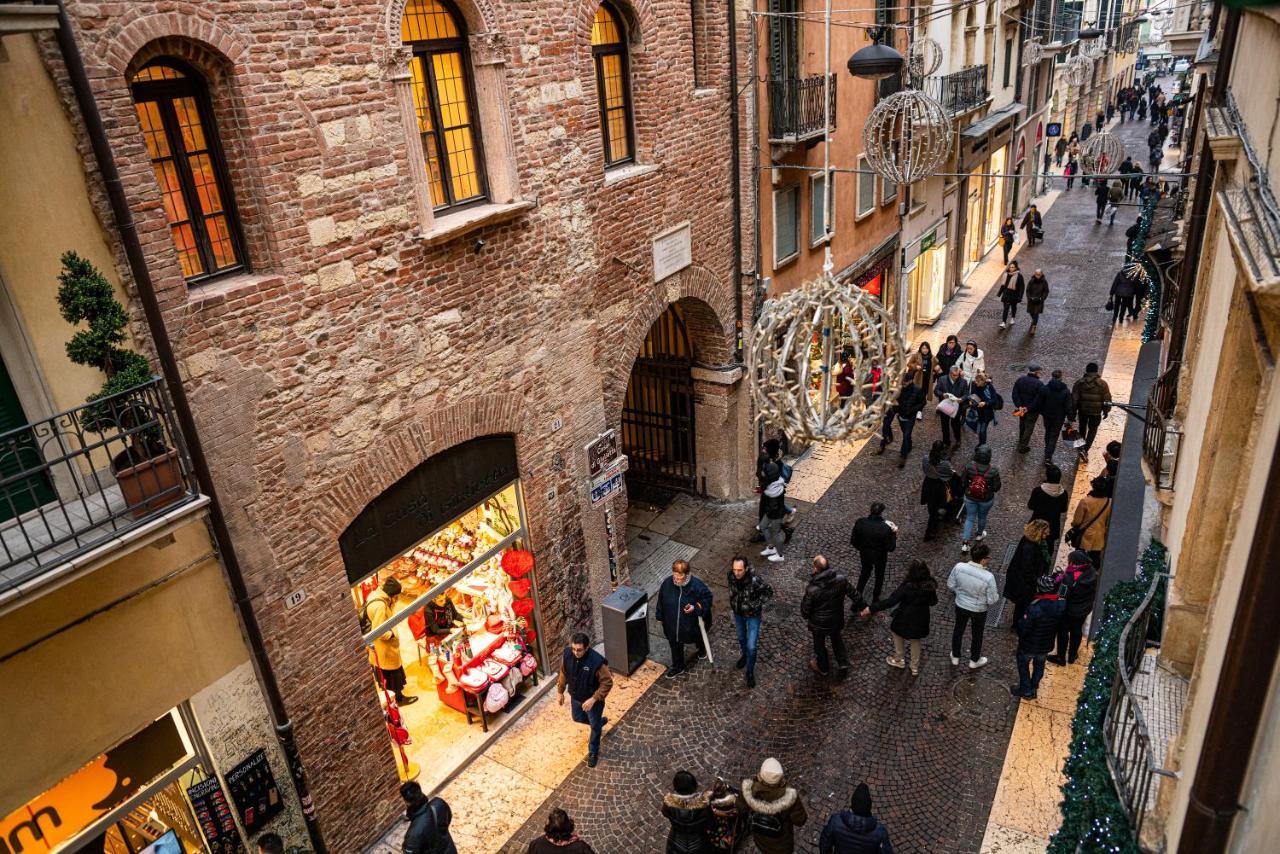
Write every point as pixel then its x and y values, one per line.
pixel 1093 818
pixel 1137 252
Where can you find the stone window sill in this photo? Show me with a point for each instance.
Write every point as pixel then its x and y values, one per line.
pixel 622 174
pixel 453 225
pixel 230 288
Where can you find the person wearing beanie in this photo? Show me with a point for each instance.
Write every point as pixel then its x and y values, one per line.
pixel 1048 501
pixel 689 813
pixel 775 809
pixel 981 483
pixel 384 655
pixel 1037 628
pixel 1091 399
pixel 855 830
pixel 1080 584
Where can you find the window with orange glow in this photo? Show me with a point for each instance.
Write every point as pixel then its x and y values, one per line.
pixel 613 84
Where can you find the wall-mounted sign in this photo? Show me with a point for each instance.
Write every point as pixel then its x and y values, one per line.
pixel 253 789
pixel 926 242
pixel 214 815
pixel 672 251
pixel 1053 129
pixel 606 487
pixel 294 599
pixel 602 452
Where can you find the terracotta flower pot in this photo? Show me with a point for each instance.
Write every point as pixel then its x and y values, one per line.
pixel 149 484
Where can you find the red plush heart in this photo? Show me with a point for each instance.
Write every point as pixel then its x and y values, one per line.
pixel 522 607
pixel 520 587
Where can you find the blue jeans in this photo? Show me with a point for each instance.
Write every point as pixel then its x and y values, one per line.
pixel 906 425
pixel 982 431
pixel 594 717
pixel 975 516
pixel 748 638
pixel 1030 670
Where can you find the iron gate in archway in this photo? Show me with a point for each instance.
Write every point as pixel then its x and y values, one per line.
pixel 657 416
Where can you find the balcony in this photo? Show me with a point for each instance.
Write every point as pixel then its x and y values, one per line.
pixel 960 92
pixel 1161 440
pixel 81 480
pixel 796 111
pixel 1066 23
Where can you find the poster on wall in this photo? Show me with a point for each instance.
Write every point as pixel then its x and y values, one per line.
pixel 214 814
pixel 253 789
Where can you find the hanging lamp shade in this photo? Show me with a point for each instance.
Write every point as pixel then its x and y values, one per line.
pixel 875 62
pixel 1141 19
pixel 1089 33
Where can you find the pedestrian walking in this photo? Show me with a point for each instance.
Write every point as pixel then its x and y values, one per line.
pixel 911 400
pixel 774 512
pixel 952 391
pixel 935 490
pixel 1012 287
pixel 1099 120
pixel 909 626
pixel 1053 405
pixel 775 809
pixel 1024 395
pixel 975 590
pixel 1079 586
pixel 822 607
pixel 1048 502
pixel 874 538
pixel 683 601
pixel 981 483
pixel 429 820
pixel 1070 171
pixel 1101 195
pixel 748 593
pixel 1142 108
pixel 928 364
pixel 1033 224
pixel 1115 195
pixel 971 361
pixel 1059 149
pixel 1135 185
pixel 1091 397
pixel 855 830
pixel 1008 234
pixel 558 837
pixel 1036 630
pixel 984 402
pixel 1037 294
pixel 727 827
pixel 585 674
pixel 948 355
pixel 1111 111
pixel 689 813
pixel 1031 559
pixel 1124 288
pixel 770 452
pixel 1090 520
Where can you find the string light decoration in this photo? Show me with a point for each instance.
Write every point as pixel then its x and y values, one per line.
pixel 1093 817
pixel 1077 70
pixel 1094 49
pixel 907 137
pixel 924 57
pixel 1032 52
pixel 1101 153
pixel 1131 46
pixel 797 353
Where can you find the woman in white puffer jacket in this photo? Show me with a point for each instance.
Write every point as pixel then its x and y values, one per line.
pixel 971 361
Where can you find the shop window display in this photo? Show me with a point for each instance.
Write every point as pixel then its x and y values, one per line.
pixel 452 635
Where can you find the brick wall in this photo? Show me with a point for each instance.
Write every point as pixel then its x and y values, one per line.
pixel 353 350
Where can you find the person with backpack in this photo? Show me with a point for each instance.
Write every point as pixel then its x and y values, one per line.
pixel 558 837
pixel 952 391
pixel 1012 287
pixel 855 830
pixel 689 813
pixel 912 601
pixel 747 594
pixel 1079 581
pixel 775 809
pixel 874 538
pixel 1036 629
pixel 981 483
pixel 936 487
pixel 984 402
pixel 429 820
pixel 384 654
pixel 1054 406
pixel 975 590
pixel 1091 397
pixel 585 674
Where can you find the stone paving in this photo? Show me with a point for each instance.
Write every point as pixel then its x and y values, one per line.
pixel 931 748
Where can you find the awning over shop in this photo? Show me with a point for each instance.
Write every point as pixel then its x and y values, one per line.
pixel 983 126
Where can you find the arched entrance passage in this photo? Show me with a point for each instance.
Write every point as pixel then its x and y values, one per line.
pixel 658 431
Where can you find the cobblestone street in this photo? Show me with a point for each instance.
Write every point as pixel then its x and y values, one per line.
pixel 931 748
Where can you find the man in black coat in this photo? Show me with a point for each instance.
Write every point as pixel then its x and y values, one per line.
pixel 1025 391
pixel 911 399
pixel 1037 631
pixel 1101 195
pixel 429 818
pixel 1080 580
pixel 682 601
pixel 1053 404
pixel 874 538
pixel 822 607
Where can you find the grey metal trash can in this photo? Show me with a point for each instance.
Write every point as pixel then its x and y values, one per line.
pixel 624 613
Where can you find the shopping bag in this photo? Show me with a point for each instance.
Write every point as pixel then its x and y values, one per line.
pixel 949 407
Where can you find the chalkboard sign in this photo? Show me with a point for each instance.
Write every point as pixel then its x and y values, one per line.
pixel 253 789
pixel 214 814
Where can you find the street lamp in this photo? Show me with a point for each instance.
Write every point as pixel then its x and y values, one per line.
pixel 876 61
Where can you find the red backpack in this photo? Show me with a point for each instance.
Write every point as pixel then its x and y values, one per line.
pixel 979 489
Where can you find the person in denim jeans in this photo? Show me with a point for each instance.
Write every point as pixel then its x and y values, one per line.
pixel 1037 630
pixel 585 675
pixel 981 483
pixel 747 594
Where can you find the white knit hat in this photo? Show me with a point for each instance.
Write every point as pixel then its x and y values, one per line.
pixel 771 772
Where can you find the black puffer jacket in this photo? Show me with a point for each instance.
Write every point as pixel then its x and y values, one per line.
pixel 913 601
pixel 910 399
pixel 1053 403
pixel 428 831
pixel 1091 395
pixel 847 833
pixel 1082 586
pixel 1029 563
pixel 689 816
pixel 873 536
pixel 1038 628
pixel 747 597
pixel 822 605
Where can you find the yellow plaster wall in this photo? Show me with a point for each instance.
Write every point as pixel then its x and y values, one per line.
pixel 44 211
pixel 74 682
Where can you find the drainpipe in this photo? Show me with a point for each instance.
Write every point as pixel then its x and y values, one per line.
pixel 128 232
pixel 735 174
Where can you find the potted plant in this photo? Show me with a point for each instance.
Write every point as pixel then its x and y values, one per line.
pixel 148 470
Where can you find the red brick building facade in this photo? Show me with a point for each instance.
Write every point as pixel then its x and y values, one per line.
pixel 364 327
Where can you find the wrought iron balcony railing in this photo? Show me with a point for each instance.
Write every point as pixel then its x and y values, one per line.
pixel 1066 23
pixel 72 482
pixel 960 92
pixel 1161 442
pixel 796 108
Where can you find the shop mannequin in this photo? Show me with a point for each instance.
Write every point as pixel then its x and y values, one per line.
pixel 384 655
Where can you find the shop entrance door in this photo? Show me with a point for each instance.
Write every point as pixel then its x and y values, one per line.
pixel 657 416
pixel 995 196
pixel 973 222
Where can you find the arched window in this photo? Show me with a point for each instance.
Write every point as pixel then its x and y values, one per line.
pixel 444 102
pixel 182 141
pixel 613 84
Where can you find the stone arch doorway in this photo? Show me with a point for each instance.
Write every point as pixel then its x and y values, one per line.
pixel 658 428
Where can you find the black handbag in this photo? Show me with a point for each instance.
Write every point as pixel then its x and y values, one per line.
pixel 1111 304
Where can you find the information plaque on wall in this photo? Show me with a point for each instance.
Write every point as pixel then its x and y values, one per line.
pixel 254 792
pixel 214 814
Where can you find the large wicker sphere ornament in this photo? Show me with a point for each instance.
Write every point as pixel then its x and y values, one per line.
pixel 1094 49
pixel 1032 52
pixel 907 137
pixel 1101 154
pixel 798 351
pixel 1131 46
pixel 1077 70
pixel 924 57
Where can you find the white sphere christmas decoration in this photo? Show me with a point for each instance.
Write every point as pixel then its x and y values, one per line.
pixel 924 57
pixel 1131 46
pixel 1094 49
pixel 1032 52
pixel 1077 70
pixel 907 137
pixel 796 356
pixel 1101 154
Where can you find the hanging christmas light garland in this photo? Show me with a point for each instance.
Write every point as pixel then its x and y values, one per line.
pixel 907 137
pixel 1101 153
pixel 1032 52
pixel 924 57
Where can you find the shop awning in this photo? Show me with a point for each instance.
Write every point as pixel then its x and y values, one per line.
pixel 982 127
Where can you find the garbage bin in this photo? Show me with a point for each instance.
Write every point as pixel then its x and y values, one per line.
pixel 624 614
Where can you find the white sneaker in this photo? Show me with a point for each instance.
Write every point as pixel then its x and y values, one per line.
pixel 1002 324
pixel 919 416
pixel 981 662
pixel 964 548
pixel 775 558
pixel 769 551
pixel 955 662
pixel 895 662
pixel 980 537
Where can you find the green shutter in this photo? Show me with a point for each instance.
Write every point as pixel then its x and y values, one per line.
pixel 18 452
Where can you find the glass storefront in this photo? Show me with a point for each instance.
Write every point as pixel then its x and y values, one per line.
pixel 973 222
pixel 928 280
pixel 994 214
